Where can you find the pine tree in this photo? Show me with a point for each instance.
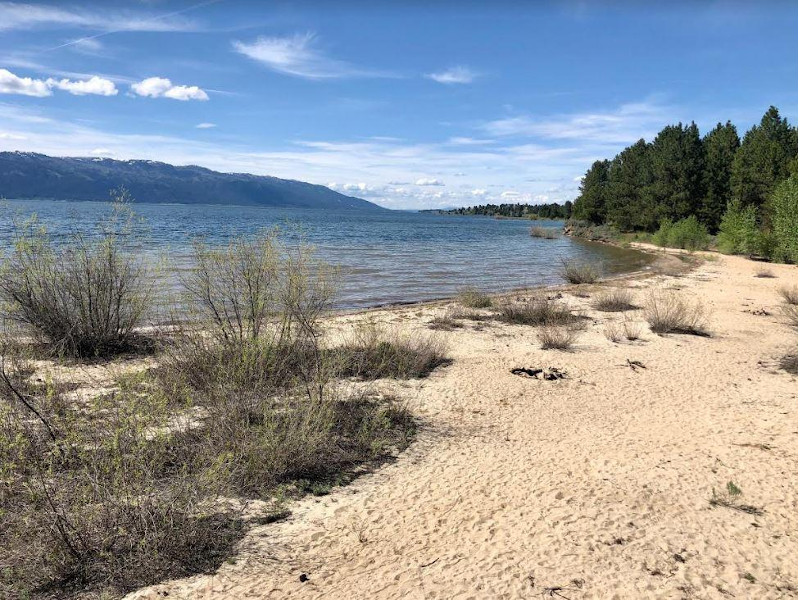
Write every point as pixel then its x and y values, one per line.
pixel 590 204
pixel 720 146
pixel 677 163
pixel 629 174
pixel 767 156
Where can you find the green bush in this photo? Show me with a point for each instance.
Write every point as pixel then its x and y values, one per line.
pixel 783 214
pixel 687 233
pixel 738 230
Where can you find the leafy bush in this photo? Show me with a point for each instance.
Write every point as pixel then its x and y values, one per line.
pixel 471 297
pixel 577 272
pixel 84 298
pixel 783 216
pixel 687 233
pixel 738 230
pixel 667 312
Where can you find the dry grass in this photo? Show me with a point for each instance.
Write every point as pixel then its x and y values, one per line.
pixel 668 312
pixel 631 329
pixel 557 337
pixel 613 331
pixel 788 362
pixel 577 272
pixel 538 311
pixel 616 300
pixel 471 297
pixel 549 233
pixel 789 306
pixel 373 353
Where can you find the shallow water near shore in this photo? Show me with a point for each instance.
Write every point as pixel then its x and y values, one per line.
pixel 385 256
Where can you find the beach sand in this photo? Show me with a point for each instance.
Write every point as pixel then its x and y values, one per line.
pixel 594 486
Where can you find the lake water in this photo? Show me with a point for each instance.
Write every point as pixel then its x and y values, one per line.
pixel 386 256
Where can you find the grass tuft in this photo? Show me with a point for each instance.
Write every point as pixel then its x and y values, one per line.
pixel 577 272
pixel 557 337
pixel 616 300
pixel 667 312
pixel 471 297
pixel 549 233
pixel 538 311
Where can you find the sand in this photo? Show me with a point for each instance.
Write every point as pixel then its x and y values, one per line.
pixel 594 486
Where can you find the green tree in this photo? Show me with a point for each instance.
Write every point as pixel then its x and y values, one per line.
pixel 783 217
pixel 719 148
pixel 738 230
pixel 768 155
pixel 591 203
pixel 677 164
pixel 628 175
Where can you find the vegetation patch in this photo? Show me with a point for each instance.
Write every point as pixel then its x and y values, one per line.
pixel 540 231
pixel 579 272
pixel 471 297
pixel 667 312
pixel 616 300
pixel 558 337
pixel 537 311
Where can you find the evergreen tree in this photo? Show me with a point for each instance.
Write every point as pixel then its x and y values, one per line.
pixel 783 219
pixel 677 166
pixel 767 156
pixel 629 174
pixel 590 204
pixel 719 146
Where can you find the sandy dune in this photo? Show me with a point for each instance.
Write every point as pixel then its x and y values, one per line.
pixel 595 486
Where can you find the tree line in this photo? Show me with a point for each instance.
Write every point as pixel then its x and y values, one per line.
pixel 681 174
pixel 525 211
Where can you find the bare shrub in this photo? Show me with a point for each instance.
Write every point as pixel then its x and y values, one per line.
pixel 613 331
pixel 616 300
pixel 540 231
pixel 668 312
pixel 471 297
pixel 539 310
pixel 84 298
pixel 373 353
pixel 789 294
pixel 451 319
pixel 577 272
pixel 789 306
pixel 788 362
pixel 557 337
pixel 631 329
pixel 764 272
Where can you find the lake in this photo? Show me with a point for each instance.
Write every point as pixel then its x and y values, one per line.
pixel 386 256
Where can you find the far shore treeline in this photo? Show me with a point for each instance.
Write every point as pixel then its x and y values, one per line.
pixel 519 211
pixel 743 190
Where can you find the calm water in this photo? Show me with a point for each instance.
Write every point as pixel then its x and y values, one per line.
pixel 386 256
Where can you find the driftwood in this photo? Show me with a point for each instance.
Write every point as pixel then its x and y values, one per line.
pixel 550 374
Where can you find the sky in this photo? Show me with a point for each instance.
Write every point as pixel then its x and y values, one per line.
pixel 408 104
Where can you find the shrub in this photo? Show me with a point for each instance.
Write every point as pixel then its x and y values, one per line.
pixel 577 272
pixel 687 233
pixel 616 300
pixel 789 294
pixel 738 230
pixel 537 311
pixel 557 337
pixel 631 329
pixel 789 306
pixel 612 331
pixel 540 231
pixel 471 297
pixel 782 208
pixel 372 353
pixel 788 362
pixel 84 298
pixel 667 312
pixel 764 272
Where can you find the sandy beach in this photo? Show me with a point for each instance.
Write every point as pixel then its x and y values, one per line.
pixel 594 486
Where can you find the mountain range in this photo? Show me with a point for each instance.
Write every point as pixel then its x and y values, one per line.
pixel 31 175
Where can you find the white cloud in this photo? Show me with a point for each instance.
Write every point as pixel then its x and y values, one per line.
pixel 94 85
pixel 297 55
pixel 25 86
pixel 479 192
pixel 161 87
pixel 101 152
pixel 427 181
pixel 205 125
pixel 4 135
pixel 453 75
pixel 23 16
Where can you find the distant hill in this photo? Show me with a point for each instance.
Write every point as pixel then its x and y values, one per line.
pixel 31 175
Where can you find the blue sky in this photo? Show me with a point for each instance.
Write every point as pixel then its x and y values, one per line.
pixel 409 104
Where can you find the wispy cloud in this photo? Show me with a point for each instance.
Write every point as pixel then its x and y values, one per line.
pixel 299 56
pixel 25 16
pixel 428 181
pixel 205 125
pixel 454 75
pixel 161 87
pixel 625 124
pixel 27 86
